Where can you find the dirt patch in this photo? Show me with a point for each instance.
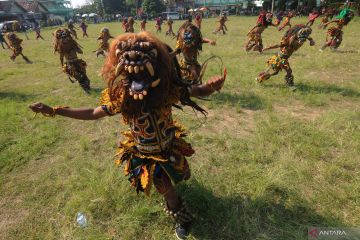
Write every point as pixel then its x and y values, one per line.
pixel 238 124
pixel 298 110
pixel 12 215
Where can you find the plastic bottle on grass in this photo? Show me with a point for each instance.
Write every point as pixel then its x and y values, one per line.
pixel 81 219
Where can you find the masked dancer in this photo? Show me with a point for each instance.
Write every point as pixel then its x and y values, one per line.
pixel 334 35
pixel 68 49
pixel 189 44
pixel 143 85
pixel 293 39
pixel 15 46
pixel 254 35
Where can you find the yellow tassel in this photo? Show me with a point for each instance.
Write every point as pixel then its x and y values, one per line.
pixel 144 178
pixel 117 162
pixel 127 167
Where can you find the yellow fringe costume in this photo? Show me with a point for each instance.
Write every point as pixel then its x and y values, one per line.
pixel 15 46
pixel 278 62
pixel 153 146
pixel 74 68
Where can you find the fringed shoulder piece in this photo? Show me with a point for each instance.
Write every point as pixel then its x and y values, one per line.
pixel 111 104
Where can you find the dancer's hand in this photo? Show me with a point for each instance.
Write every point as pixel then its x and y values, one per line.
pixel 41 108
pixel 215 83
pixel 212 43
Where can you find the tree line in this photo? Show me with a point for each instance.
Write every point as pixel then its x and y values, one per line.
pixel 128 7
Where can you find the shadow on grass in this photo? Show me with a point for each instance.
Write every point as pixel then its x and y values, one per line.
pixel 245 100
pixel 19 97
pixel 266 53
pixel 306 88
pixel 346 51
pixel 346 92
pixel 96 91
pixel 277 214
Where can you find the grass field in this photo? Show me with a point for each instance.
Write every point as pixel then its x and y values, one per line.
pixel 269 162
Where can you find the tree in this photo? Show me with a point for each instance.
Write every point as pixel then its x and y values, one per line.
pixel 153 7
pixel 114 6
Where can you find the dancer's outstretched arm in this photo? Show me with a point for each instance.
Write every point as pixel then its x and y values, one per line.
pixel 62 59
pixel 215 83
pixel 207 40
pixel 333 21
pixel 272 47
pixel 311 40
pixel 76 113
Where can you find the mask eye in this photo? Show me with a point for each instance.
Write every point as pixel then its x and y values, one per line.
pixel 187 37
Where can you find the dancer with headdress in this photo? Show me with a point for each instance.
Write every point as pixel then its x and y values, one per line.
pixel 328 14
pixel 68 49
pixel 334 35
pixel 293 39
pixel 15 46
pixel 103 42
pixel 189 44
pixel 143 86
pixel 254 35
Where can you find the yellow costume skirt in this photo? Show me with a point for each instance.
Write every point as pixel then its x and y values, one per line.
pixel 74 68
pixel 277 62
pixel 144 170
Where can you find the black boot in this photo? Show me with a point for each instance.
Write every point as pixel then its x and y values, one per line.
pixel 183 219
pixel 290 82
